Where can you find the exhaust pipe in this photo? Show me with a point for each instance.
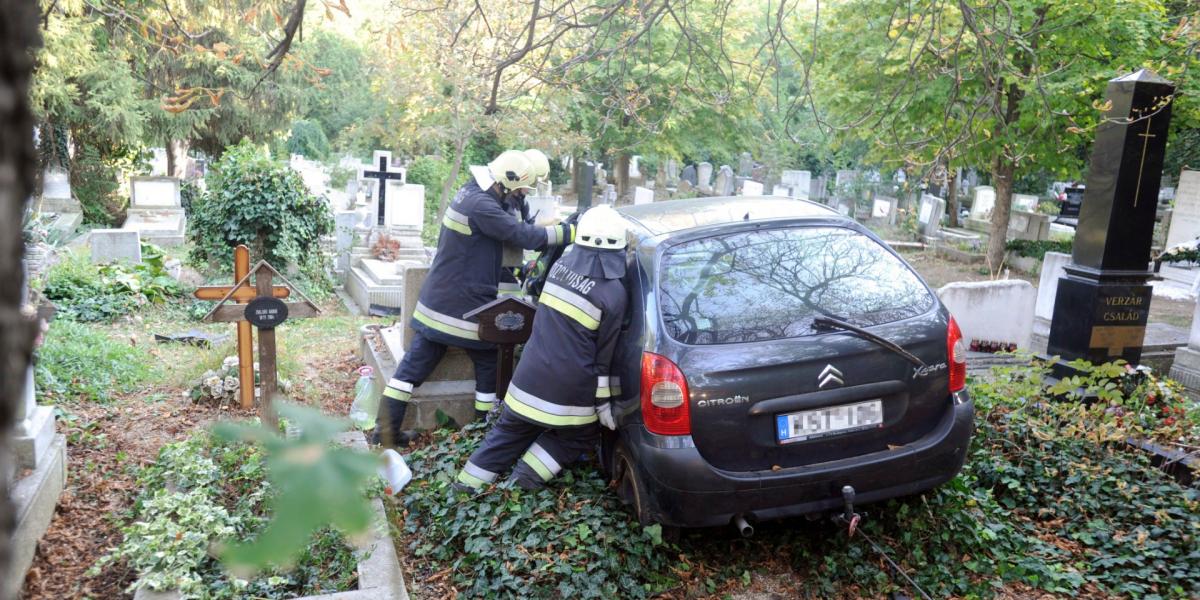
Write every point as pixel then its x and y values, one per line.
pixel 744 528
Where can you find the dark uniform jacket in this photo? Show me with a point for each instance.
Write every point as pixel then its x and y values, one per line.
pixel 465 273
pixel 564 370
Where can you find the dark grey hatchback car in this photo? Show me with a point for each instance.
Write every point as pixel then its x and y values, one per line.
pixel 776 352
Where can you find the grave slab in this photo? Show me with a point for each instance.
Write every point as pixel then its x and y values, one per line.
pixel 1185 217
pixel 115 245
pixel 752 188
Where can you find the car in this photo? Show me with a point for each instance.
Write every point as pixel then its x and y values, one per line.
pixel 775 352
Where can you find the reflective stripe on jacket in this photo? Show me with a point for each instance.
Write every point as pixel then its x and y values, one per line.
pixel 564 370
pixel 465 273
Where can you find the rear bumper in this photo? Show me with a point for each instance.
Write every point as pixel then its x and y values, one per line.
pixel 684 490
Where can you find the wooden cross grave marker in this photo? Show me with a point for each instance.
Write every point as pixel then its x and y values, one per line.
pixel 259 305
pixel 506 322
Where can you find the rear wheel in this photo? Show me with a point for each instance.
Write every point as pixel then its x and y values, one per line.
pixel 632 491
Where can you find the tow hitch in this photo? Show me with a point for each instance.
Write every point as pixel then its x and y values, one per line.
pixel 851 520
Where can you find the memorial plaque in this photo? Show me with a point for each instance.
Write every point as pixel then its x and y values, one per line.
pixel 266 312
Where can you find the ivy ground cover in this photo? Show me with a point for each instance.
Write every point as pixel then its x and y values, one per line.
pixel 1051 501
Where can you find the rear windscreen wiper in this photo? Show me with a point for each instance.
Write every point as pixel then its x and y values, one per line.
pixel 831 323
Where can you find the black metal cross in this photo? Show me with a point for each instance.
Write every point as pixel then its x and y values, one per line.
pixel 383 175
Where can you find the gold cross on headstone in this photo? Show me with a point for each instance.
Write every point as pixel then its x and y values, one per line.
pixel 1145 144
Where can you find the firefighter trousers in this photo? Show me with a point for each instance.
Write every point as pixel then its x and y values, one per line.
pixel 542 451
pixel 421 359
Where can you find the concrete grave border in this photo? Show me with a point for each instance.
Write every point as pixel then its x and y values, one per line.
pixel 380 575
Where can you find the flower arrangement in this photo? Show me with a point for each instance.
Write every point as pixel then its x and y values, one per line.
pixel 1181 252
pixel 221 385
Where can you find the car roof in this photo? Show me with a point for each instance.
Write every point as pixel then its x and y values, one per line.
pixel 677 215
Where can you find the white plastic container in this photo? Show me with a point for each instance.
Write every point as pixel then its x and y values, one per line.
pixel 394 471
pixel 366 400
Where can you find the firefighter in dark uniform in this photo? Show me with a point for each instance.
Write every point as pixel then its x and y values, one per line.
pixel 465 275
pixel 561 388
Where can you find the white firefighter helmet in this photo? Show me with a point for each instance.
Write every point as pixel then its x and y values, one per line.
pixel 541 164
pixel 513 170
pixel 601 227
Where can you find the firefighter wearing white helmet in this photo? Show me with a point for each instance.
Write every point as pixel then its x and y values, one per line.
pixel 465 274
pixel 546 422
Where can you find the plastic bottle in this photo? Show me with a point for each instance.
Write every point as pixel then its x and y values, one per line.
pixel 394 471
pixel 366 400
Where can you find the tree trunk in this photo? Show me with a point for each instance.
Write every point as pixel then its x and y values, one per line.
pixel 18 165
pixel 177 158
pixel 1002 178
pixel 622 178
pixel 951 195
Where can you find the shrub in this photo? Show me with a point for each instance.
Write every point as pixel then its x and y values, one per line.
pixel 81 362
pixel 255 201
pixel 308 139
pixel 574 540
pixel 431 172
pixel 1038 249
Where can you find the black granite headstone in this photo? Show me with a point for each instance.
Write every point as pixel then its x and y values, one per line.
pixel 1103 301
pixel 583 187
pixel 1070 208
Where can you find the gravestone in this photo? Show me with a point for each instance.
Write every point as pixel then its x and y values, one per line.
pixel 1186 367
pixel 58 200
pixel 601 175
pixel 980 217
pixel 752 188
pixel 724 184
pixel 635 170
pixel 781 190
pixel 1103 301
pixel 1185 217
pixel 155 211
pixel 704 173
pixel 115 245
pixel 583 187
pixel 882 207
pixel 404 208
pixel 745 164
pixel 1024 202
pixel 799 181
pixel 381 173
pixel 1071 207
pixel 844 180
pixel 689 175
pixel 642 195
pixel 672 172
pixel 992 313
pixel 610 194
pixel 1024 225
pixel 345 230
pixel 1053 267
pixel 929 215
pixel 449 388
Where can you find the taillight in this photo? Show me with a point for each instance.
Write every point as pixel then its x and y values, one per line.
pixel 664 396
pixel 956 355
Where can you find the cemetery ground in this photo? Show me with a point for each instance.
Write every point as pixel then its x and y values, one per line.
pixel 1050 504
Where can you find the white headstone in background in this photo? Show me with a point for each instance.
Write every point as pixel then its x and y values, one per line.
pixel 154 192
pixel 1052 270
pixel 992 311
pixel 634 169
pixel 1024 202
pixel 1185 219
pixel 405 205
pixel 158 162
pixel 704 173
pixel 752 188
pixel 930 216
pixel 642 195
pixel 985 200
pixel 799 181
pixel 881 209
pixel 725 184
pixel 782 190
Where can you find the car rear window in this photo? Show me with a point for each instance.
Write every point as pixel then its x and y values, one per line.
pixel 771 284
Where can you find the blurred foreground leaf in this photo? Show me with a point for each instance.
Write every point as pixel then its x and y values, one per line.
pixel 318 483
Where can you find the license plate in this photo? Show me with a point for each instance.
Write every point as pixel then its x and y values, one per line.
pixel 811 424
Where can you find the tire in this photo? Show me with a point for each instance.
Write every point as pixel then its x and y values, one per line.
pixel 630 488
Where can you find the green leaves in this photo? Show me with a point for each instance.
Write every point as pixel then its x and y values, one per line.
pixel 317 484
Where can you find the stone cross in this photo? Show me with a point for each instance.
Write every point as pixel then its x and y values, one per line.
pixel 384 160
pixel 241 293
pixel 1103 301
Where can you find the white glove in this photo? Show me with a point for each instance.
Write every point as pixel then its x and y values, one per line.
pixel 604 411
